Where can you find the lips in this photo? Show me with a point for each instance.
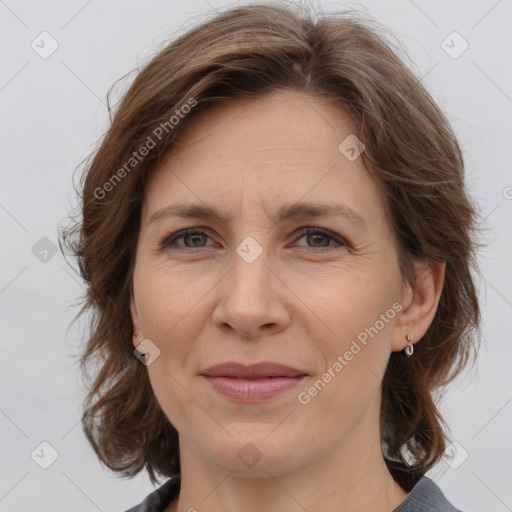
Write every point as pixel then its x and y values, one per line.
pixel 261 370
pixel 252 384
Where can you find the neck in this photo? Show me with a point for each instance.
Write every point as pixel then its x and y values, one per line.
pixel 345 479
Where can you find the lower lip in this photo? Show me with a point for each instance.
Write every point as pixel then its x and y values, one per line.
pixel 253 390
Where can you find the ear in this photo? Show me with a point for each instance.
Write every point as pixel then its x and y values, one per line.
pixel 135 321
pixel 419 306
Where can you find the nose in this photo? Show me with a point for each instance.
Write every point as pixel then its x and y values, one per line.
pixel 252 300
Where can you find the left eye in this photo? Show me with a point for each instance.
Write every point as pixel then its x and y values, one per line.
pixel 194 239
pixel 320 238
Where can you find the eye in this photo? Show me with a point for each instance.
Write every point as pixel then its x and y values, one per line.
pixel 320 238
pixel 192 239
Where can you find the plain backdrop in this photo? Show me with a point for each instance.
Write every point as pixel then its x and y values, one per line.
pixel 53 112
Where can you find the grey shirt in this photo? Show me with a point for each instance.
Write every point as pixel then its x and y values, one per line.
pixel 425 496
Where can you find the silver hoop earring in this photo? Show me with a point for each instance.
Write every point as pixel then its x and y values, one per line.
pixel 409 350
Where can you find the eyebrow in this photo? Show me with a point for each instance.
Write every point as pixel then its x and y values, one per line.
pixel 287 211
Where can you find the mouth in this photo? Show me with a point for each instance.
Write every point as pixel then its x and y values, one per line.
pixel 254 383
pixel 254 371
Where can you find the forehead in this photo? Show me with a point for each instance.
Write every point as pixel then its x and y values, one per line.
pixel 279 122
pixel 278 148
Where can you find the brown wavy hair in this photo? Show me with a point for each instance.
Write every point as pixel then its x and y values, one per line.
pixel 410 150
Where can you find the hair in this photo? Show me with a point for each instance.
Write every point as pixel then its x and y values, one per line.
pixel 410 150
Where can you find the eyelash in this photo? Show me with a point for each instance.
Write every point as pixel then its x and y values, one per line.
pixel 171 240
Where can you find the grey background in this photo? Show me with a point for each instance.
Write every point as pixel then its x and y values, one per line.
pixel 53 112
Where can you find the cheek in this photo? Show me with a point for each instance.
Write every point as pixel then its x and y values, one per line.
pixel 357 314
pixel 169 303
pixel 348 302
pixel 172 316
pixel 355 361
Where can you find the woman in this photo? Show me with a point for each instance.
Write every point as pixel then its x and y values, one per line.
pixel 278 248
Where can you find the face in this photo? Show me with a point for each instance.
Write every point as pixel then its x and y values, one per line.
pixel 318 291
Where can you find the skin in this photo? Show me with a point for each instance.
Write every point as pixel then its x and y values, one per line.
pixel 302 302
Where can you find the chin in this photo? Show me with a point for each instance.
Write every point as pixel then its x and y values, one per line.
pixel 251 454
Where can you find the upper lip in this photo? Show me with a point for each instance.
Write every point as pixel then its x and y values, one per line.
pixel 240 371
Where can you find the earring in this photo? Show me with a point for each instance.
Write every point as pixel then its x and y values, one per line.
pixel 410 348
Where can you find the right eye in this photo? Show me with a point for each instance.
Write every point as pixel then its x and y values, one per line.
pixel 192 239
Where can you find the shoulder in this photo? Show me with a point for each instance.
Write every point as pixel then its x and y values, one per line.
pixel 160 498
pixel 426 496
